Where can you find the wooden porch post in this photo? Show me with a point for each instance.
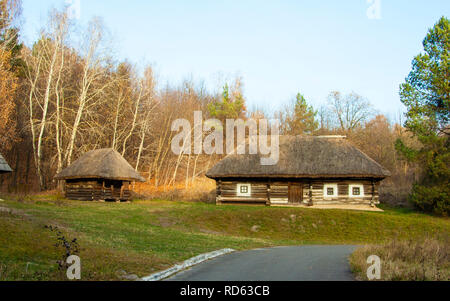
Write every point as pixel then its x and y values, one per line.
pixel 372 202
pixel 121 191
pixel 219 193
pixel 104 191
pixel 311 203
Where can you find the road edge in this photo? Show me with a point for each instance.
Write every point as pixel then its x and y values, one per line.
pixel 186 264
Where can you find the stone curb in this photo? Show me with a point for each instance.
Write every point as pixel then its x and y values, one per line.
pixel 186 264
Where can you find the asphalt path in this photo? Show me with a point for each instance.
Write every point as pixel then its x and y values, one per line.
pixel 303 263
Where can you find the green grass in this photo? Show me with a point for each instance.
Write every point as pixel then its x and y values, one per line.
pixel 146 236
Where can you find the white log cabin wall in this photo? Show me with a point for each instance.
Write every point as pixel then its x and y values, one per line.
pixel 277 192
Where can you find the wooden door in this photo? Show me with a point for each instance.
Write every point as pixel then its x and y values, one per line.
pixel 295 193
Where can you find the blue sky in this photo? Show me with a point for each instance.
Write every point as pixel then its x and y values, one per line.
pixel 278 47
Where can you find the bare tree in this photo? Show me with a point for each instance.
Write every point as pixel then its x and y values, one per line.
pixel 10 12
pixel 149 105
pixel 92 71
pixel 350 111
pixel 44 63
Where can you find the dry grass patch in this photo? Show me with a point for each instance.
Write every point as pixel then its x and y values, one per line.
pixel 202 189
pixel 425 260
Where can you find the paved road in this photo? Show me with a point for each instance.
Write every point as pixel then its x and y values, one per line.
pixel 305 263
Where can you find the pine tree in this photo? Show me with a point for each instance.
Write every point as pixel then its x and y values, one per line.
pixel 426 95
pixel 302 120
pixel 231 105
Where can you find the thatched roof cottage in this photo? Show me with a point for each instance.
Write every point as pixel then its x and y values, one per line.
pixel 310 171
pixel 4 167
pixel 99 175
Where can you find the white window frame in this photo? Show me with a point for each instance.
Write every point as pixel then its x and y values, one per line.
pixel 361 189
pixel 239 193
pixel 335 190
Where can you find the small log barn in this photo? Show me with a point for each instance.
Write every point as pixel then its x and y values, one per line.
pixel 99 175
pixel 4 167
pixel 325 170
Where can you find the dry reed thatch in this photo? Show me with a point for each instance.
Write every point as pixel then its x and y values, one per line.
pixel 304 157
pixel 101 164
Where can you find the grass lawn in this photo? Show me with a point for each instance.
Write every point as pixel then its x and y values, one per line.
pixel 146 236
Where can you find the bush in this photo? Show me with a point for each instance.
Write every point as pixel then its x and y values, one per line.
pixel 434 199
pixel 395 191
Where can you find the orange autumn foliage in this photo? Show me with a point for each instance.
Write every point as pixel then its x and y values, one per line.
pixel 8 86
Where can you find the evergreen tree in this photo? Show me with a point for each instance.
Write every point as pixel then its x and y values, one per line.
pixel 231 105
pixel 303 118
pixel 426 95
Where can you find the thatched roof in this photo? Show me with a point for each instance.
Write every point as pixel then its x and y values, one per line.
pixel 4 167
pixel 304 157
pixel 100 164
pixel 445 132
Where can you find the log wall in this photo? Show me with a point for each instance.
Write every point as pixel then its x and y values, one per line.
pixel 277 192
pixel 97 190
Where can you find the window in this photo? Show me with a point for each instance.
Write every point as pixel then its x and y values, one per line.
pixel 330 191
pixel 244 190
pixel 356 190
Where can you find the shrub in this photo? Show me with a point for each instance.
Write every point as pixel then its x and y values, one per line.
pixel 435 199
pixel 69 247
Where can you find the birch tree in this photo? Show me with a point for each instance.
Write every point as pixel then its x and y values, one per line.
pixel 91 72
pixel 42 66
pixel 150 104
